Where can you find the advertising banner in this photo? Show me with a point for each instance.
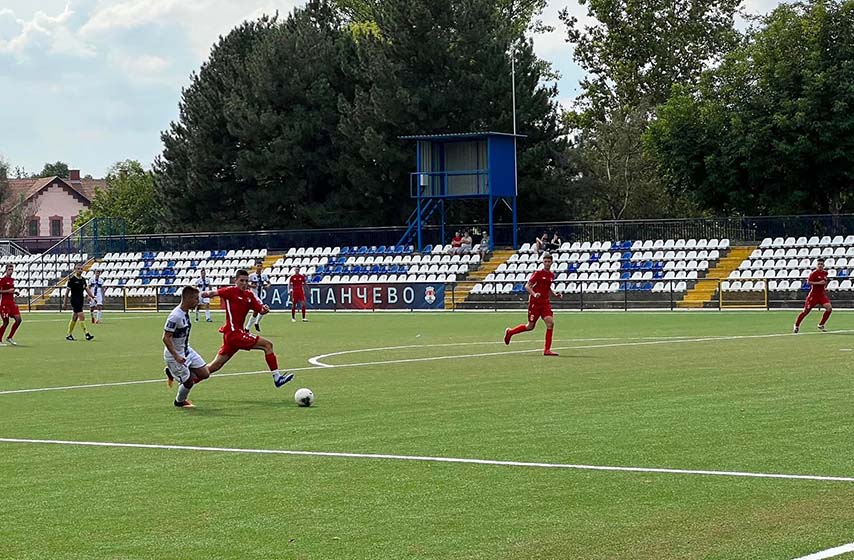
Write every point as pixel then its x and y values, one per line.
pixel 361 296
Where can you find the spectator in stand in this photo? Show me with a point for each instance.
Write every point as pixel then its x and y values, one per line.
pixel 484 246
pixel 555 242
pixel 466 245
pixel 456 243
pixel 540 243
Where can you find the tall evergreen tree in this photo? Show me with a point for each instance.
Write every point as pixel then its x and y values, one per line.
pixel 197 183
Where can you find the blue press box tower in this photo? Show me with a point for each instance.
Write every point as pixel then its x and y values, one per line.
pixel 461 166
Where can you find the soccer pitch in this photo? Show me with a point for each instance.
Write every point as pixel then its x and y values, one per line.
pixel 694 409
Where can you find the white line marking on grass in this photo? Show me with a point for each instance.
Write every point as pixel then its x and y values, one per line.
pixel 316 360
pixel 317 364
pixel 829 553
pixel 432 459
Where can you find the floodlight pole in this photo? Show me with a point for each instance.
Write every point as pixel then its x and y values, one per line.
pixel 515 157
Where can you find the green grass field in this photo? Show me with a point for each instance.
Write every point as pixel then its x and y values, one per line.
pixel 651 390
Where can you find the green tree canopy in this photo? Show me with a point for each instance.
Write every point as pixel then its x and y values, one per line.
pixel 295 123
pixel 129 195
pixel 59 169
pixel 771 130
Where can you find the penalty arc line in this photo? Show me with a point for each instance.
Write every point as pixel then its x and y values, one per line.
pixel 425 458
pixel 318 365
pixel 316 360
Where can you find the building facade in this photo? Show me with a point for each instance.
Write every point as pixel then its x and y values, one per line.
pixel 47 206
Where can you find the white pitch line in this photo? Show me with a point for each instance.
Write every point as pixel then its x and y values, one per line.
pixel 425 458
pixel 317 364
pixel 316 360
pixel 829 553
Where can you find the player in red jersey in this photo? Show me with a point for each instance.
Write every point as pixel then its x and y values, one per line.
pixel 296 286
pixel 539 288
pixel 238 301
pixel 8 307
pixel 817 296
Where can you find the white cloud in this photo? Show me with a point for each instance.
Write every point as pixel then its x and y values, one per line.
pixel 44 32
pixel 201 21
pixel 143 69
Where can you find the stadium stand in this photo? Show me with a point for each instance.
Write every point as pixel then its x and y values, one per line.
pixel 35 273
pixel 783 264
pixel 163 273
pixel 653 266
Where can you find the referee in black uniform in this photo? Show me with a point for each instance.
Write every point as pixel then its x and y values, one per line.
pixel 76 287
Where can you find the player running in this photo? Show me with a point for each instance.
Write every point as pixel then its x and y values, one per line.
pixel 238 300
pixel 204 285
pixel 258 282
pixel 76 287
pixel 296 287
pixel 8 307
pixel 817 297
pixel 182 362
pixel 96 286
pixel 539 288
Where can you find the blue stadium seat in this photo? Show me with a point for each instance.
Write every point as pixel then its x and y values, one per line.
pixel 363 250
pixel 344 251
pixel 339 269
pixel 594 257
pixel 399 250
pixel 627 256
pixel 427 248
pixel 647 287
pixel 317 278
pixel 625 276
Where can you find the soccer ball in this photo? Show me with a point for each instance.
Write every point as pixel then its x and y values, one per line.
pixel 304 397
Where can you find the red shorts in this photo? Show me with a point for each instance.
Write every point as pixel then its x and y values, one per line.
pixel 9 310
pixel 237 340
pixel 298 298
pixel 537 311
pixel 816 300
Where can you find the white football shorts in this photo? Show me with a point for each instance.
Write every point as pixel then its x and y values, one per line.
pixel 179 371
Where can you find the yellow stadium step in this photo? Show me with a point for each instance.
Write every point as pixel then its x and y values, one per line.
pixel 42 299
pixel 705 288
pixel 271 259
pixel 496 259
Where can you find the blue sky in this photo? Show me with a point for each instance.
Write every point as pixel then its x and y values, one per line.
pixel 92 82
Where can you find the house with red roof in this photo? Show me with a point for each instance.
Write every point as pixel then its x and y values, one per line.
pixel 51 204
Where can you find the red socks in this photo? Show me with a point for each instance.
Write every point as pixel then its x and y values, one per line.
pixel 272 362
pixel 303 312
pixel 294 311
pixel 824 318
pixel 801 318
pixel 3 329
pixel 517 329
pixel 549 334
pixel 16 323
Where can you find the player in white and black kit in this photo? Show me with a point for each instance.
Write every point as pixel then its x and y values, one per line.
pixel 258 282
pixel 182 362
pixel 204 285
pixel 96 304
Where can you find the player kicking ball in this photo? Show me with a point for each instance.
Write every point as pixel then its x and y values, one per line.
pixel 539 288
pixel 182 362
pixel 239 300
pixel 817 297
